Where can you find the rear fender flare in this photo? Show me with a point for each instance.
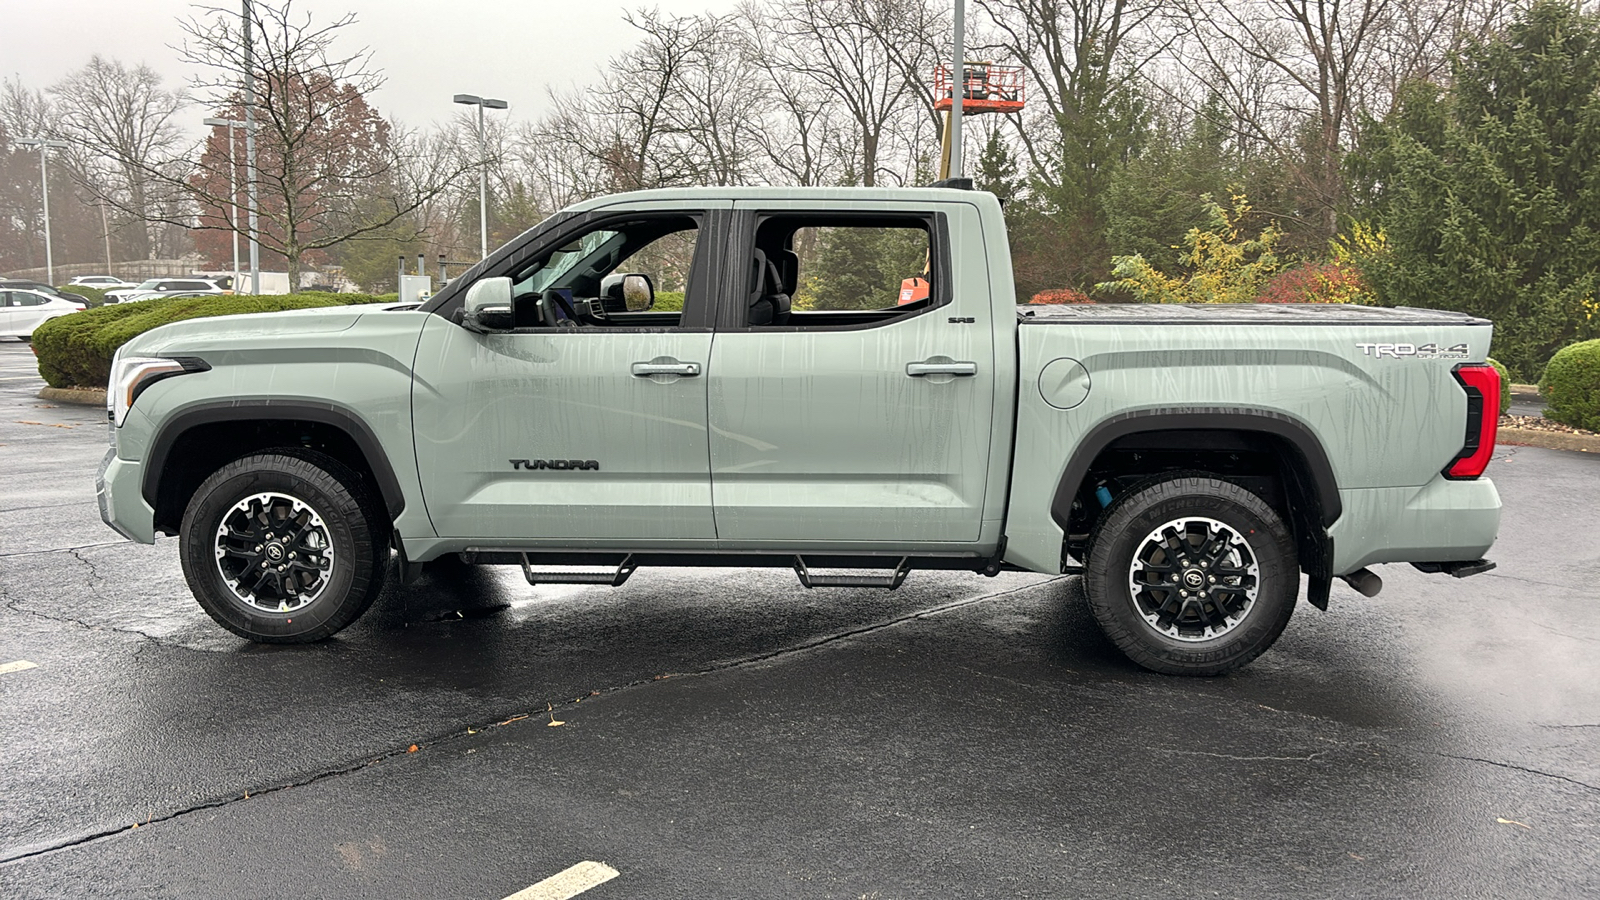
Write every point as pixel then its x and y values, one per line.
pixel 1297 433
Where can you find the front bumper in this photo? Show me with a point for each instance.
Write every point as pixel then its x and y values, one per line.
pixel 1442 521
pixel 122 505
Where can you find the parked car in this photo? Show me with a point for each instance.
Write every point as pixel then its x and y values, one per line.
pixel 101 282
pixel 24 284
pixel 21 311
pixel 161 287
pixel 1191 462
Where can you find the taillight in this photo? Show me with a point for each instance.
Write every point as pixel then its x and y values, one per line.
pixel 1482 384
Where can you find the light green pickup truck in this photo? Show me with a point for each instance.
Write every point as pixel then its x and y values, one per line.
pixel 727 377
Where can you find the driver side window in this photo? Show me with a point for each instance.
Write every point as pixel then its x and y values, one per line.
pixel 585 282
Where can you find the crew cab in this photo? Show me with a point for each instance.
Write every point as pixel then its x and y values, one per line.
pixel 727 377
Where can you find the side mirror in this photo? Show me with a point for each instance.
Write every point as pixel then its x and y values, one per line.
pixel 638 293
pixel 487 306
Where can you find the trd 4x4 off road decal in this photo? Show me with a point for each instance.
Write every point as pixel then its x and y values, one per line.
pixel 1414 351
pixel 555 464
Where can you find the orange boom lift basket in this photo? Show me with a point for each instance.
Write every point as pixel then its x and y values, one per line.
pixel 986 88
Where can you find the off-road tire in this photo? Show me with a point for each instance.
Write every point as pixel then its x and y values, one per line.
pixel 355 532
pixel 1125 529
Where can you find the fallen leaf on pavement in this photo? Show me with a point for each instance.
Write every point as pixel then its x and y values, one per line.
pixel 412 749
pixel 1514 822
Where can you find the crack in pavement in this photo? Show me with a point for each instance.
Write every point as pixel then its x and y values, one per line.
pixel 14 604
pixel 1542 725
pixel 72 550
pixel 1314 754
pixel 12 509
pixel 1516 768
pixel 461 732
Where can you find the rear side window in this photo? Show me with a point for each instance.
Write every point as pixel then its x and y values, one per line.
pixel 833 271
pixel 844 267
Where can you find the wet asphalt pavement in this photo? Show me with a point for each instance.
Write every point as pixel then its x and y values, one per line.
pixel 730 734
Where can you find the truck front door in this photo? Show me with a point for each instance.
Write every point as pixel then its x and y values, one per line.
pixel 838 414
pixel 576 426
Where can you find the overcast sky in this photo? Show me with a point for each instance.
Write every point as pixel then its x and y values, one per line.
pixel 511 49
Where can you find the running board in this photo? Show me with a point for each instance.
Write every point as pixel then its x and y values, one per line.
pixel 890 581
pixel 613 578
pixel 1459 569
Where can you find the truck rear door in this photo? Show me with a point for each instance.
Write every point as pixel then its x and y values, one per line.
pixel 836 413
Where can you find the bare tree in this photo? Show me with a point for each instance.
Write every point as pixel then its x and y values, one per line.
pixel 1316 62
pixel 1077 55
pixel 121 123
pixel 845 48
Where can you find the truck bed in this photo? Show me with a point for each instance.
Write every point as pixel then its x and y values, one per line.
pixel 1237 314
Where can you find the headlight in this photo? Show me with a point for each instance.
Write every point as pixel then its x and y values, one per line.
pixel 131 375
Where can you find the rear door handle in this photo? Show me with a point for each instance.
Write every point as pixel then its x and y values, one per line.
pixel 919 369
pixel 646 369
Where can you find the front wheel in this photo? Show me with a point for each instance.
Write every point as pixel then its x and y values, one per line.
pixel 1192 576
pixel 284 547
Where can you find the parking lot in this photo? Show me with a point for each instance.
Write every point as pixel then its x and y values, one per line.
pixel 730 734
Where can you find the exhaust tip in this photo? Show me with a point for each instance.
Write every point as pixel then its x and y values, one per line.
pixel 1365 581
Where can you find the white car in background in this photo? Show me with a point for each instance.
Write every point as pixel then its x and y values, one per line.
pixel 161 287
pixel 102 282
pixel 21 311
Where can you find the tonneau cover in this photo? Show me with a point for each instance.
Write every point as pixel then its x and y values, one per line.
pixel 1237 314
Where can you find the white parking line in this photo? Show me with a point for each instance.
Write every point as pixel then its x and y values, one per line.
pixel 568 883
pixel 18 666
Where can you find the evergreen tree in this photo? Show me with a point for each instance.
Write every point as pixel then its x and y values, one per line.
pixel 1489 193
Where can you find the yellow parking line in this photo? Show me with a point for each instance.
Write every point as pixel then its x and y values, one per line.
pixel 568 883
pixel 18 666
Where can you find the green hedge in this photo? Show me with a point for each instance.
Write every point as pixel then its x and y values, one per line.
pixel 1505 385
pixel 75 350
pixel 668 301
pixel 1571 386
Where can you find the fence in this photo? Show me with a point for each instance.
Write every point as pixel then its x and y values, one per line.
pixel 132 270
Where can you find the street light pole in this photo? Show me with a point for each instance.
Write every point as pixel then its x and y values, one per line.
pixel 233 195
pixel 483 171
pixel 44 190
pixel 250 152
pixel 959 87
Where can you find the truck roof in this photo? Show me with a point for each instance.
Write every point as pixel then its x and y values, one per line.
pixel 831 194
pixel 1238 314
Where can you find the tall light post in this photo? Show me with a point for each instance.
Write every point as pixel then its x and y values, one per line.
pixel 233 194
pixel 44 190
pixel 958 80
pixel 250 149
pixel 482 103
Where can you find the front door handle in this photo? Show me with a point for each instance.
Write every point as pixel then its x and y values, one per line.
pixel 920 369
pixel 646 369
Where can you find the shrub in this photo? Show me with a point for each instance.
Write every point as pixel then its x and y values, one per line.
pixel 668 301
pixel 92 297
pixel 1505 385
pixel 76 350
pixel 1571 386
pixel 1317 282
pixel 1224 264
pixel 1059 295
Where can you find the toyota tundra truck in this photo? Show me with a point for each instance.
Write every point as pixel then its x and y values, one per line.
pixel 726 377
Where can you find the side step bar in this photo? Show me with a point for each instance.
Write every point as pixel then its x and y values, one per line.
pixel 890 581
pixel 614 578
pixel 1459 569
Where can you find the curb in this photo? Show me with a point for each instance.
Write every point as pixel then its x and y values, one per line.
pixel 80 396
pixel 1550 440
pixel 1526 393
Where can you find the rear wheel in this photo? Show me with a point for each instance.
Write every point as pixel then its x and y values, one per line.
pixel 1192 576
pixel 284 547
